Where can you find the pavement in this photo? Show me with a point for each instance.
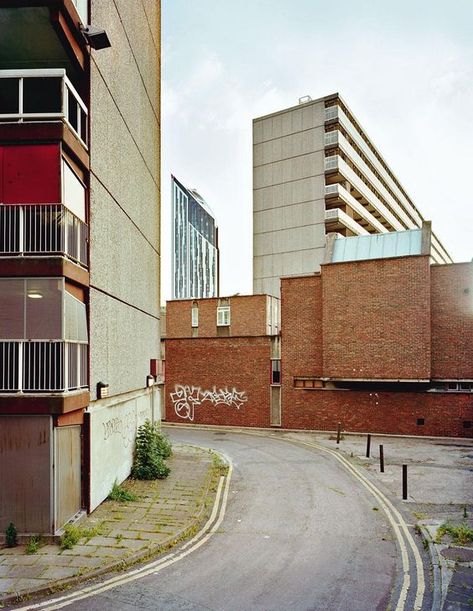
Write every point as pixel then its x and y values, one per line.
pixel 440 489
pixel 117 535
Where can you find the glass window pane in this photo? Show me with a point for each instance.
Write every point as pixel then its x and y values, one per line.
pixel 9 96
pixel 42 95
pixel 11 309
pixel 43 307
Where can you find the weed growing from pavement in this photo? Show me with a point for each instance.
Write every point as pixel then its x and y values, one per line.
pixel 34 544
pixel 73 534
pixel 461 534
pixel 120 494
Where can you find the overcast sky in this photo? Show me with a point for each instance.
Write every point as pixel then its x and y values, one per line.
pixel 405 69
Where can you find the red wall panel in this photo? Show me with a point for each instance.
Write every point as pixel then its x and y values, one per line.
pixel 1 174
pixel 31 174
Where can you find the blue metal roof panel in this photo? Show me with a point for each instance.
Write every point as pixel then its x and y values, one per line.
pixel 379 246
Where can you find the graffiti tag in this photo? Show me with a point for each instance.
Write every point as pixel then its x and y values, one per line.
pixel 186 398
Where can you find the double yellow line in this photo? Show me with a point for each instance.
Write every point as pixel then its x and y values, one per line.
pixel 151 568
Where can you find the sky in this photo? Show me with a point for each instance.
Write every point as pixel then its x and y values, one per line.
pixel 405 69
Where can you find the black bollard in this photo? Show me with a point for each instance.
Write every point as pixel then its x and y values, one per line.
pixel 339 428
pixel 368 445
pixel 381 459
pixel 404 482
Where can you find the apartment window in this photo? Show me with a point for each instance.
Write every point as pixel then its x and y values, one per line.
pixel 195 315
pixel 276 371
pixel 223 316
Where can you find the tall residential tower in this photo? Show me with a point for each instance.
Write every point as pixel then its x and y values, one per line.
pixel 315 172
pixel 195 254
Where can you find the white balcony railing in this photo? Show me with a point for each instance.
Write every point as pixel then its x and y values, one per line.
pixel 331 137
pixel 331 163
pixel 42 95
pixel 42 366
pixel 331 113
pixel 42 230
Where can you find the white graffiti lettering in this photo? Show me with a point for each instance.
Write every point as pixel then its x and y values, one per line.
pixel 186 398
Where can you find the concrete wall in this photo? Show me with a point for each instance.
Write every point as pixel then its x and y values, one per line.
pixel 288 195
pixel 124 196
pixel 113 426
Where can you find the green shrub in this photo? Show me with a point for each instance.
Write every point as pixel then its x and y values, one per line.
pixel 152 447
pixel 11 536
pixel 118 493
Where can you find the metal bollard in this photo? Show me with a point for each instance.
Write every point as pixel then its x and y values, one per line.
pixel 368 445
pixel 381 459
pixel 404 482
pixel 339 428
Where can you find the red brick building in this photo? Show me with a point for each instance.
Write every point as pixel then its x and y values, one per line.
pixel 380 345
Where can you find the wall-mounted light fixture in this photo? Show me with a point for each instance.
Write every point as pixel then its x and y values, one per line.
pixel 35 295
pixel 149 380
pixel 96 37
pixel 102 390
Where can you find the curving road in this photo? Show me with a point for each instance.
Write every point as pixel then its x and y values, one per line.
pixel 299 532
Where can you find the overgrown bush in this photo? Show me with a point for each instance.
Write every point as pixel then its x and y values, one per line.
pixel 152 448
pixel 11 536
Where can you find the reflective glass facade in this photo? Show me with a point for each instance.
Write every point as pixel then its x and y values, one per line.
pixel 194 247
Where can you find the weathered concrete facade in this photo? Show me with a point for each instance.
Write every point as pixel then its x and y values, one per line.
pixel 316 173
pixel 125 230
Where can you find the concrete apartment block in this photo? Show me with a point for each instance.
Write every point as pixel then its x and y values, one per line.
pixel 79 252
pixel 315 173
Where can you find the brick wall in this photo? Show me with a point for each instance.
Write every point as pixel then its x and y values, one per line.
pixel 378 412
pixel 209 364
pixel 248 316
pixel 301 324
pixel 376 319
pixel 452 321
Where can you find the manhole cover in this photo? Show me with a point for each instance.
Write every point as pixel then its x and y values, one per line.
pixel 460 554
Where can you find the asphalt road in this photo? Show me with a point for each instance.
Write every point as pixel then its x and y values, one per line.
pixel 299 533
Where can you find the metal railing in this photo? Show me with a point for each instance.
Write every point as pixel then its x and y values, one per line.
pixel 42 230
pixel 42 366
pixel 42 95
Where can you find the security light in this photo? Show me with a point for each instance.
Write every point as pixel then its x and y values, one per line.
pixel 102 390
pixel 96 37
pixel 35 295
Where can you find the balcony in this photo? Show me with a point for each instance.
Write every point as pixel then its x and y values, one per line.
pixel 337 194
pixel 39 230
pixel 42 366
pixel 338 220
pixel 42 96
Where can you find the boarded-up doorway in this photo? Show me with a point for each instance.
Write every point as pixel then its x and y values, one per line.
pixel 68 473
pixel 25 473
